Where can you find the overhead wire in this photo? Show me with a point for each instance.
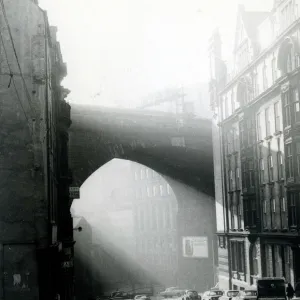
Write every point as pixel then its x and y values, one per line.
pixel 13 80
pixel 17 59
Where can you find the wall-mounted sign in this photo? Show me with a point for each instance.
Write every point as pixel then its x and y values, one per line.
pixel 74 192
pixel 195 246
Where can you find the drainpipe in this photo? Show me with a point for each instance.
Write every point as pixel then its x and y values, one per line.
pixel 225 199
pixel 47 123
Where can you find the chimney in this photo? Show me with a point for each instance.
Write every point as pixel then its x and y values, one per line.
pixel 241 8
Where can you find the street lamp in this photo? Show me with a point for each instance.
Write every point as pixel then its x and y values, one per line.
pixel 79 229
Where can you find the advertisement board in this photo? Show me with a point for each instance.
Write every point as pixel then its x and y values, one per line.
pixel 195 246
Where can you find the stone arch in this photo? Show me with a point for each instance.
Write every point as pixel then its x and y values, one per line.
pixel 286 55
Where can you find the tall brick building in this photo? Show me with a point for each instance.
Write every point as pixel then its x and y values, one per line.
pixel 34 226
pixel 256 140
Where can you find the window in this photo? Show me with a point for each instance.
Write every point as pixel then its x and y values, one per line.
pixel 289 161
pixel 161 189
pixel 262 170
pixel 289 62
pixel 242 135
pixel 270 167
pixel 229 142
pixel 254 260
pixel 148 191
pixel 237 177
pixel 154 191
pixel 280 165
pixel 293 208
pixel 277 116
pixel 265 78
pixel 249 133
pixel 251 173
pixel 268 121
pixel 142 173
pixel 253 212
pixel 282 207
pixel 239 210
pixel 287 110
pixel 168 189
pixel 258 124
pixel 147 173
pixel 274 69
pixel 226 107
pixel 296 105
pixel 167 217
pixel 230 178
pixel 246 211
pixel 232 211
pixel 298 157
pixel 136 175
pixel 232 102
pixel 255 84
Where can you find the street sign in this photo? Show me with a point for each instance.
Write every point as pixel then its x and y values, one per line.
pixel 74 192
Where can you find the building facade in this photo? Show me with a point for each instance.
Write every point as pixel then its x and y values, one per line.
pixel 34 123
pixel 155 223
pixel 256 140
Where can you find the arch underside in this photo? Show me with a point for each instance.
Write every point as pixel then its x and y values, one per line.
pixel 95 140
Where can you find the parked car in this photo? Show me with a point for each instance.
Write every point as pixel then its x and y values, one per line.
pixel 172 292
pixel 249 294
pixel 213 294
pixel 228 295
pixel 138 297
pixel 191 295
pixel 144 297
pixel 270 288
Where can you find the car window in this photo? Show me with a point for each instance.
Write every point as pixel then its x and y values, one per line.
pixel 232 293
pixel 250 293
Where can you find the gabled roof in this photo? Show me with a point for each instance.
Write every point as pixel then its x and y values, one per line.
pixel 252 19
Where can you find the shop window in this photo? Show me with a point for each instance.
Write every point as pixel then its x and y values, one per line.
pixel 296 105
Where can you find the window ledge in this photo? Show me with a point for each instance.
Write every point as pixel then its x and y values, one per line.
pixel 284 230
pixel 274 229
pixel 269 137
pixel 271 182
pixel 288 127
pixel 277 133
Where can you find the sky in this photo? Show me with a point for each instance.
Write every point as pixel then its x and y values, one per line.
pixel 119 51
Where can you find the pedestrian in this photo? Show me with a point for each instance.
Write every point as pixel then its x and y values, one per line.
pixel 290 291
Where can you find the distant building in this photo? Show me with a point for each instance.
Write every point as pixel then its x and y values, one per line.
pixel 83 258
pixel 257 147
pixel 155 223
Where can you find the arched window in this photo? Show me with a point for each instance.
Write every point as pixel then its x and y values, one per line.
pixel 288 52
